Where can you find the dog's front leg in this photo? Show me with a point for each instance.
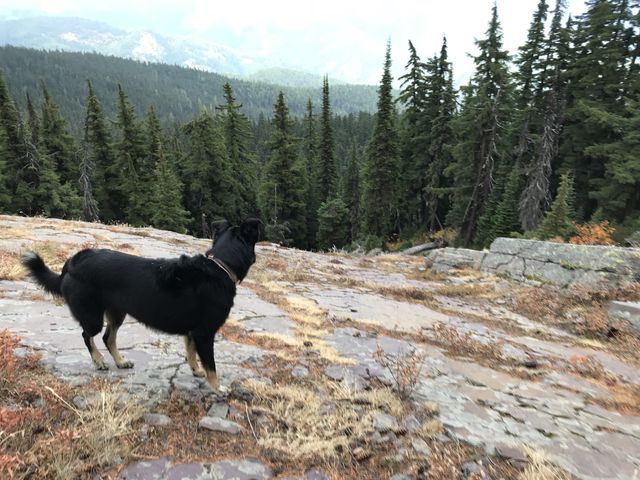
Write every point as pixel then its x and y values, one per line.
pixel 190 346
pixel 204 347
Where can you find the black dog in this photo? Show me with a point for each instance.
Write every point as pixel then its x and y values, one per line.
pixel 189 296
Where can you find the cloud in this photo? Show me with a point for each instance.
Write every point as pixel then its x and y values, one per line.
pixel 347 37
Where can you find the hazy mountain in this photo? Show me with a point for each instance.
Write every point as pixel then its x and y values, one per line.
pixel 81 35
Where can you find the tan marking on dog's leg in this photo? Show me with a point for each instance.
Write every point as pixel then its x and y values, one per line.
pixel 192 360
pixel 96 356
pixel 212 380
pixel 110 342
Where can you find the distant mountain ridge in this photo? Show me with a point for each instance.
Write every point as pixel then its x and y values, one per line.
pixel 81 35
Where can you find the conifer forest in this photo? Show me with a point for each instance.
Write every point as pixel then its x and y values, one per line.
pixel 538 143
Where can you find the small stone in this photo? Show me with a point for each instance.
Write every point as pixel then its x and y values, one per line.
pixel 299 371
pixel 361 453
pixel 327 408
pixel 420 446
pixel 80 402
pixel 219 425
pixel 383 422
pixel 530 363
pixel 316 474
pixel 156 419
pixel 308 343
pixel 410 423
pixel 239 392
pixel 473 468
pixel 510 453
pixel 218 410
pixel 400 476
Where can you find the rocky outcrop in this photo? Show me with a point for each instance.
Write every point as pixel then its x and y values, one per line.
pixel 588 266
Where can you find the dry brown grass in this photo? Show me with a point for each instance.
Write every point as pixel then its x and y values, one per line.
pixel 42 435
pixel 405 369
pixel 298 424
pixel 10 267
pixel 406 294
pixel 476 290
pixel 541 468
pixel 465 344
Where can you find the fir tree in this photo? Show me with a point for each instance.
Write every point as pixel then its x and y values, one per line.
pixel 351 191
pixel 57 142
pixel 33 121
pixel 310 156
pixel 327 176
pixel 237 134
pixel 441 140
pixel 550 109
pixel 14 141
pixel 5 197
pixel 135 174
pixel 596 79
pixel 481 132
pixel 414 141
pixel 98 160
pixel 333 224
pixel 282 195
pixel 558 220
pixel 205 172
pixel 379 199
pixel 506 221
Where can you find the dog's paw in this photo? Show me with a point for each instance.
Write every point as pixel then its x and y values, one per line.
pixel 102 366
pixel 198 373
pixel 125 364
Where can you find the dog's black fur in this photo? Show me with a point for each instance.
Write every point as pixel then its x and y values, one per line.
pixel 189 296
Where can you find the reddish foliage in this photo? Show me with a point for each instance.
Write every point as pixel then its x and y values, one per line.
pixel 593 234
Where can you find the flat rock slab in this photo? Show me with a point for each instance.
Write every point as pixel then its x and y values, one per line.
pixel 217 424
pixel 162 469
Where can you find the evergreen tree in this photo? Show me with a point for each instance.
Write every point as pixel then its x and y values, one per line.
pixel 351 191
pixel 166 195
pixel 5 197
pixel 506 221
pixel 414 141
pixel 282 195
pixel 550 111
pixel 558 220
pixel 333 224
pixel 57 142
pixel 441 139
pixel 310 157
pixel 135 174
pixel 481 133
pixel 14 141
pixel 596 79
pixel 33 121
pixel 205 172
pixel 327 176
pixel 237 134
pixel 379 199
pixel 97 168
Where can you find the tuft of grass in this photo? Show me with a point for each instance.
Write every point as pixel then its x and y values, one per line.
pixel 297 424
pixel 405 369
pixel 465 344
pixel 467 290
pixel 10 267
pixel 541 468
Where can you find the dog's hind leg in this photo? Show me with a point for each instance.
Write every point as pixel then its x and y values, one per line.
pixel 204 347
pixel 114 321
pixel 96 356
pixel 190 346
pixel 90 317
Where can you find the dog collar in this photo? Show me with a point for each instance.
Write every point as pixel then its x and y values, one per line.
pixel 232 276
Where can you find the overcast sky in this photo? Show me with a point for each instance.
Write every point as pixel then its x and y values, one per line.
pixel 345 39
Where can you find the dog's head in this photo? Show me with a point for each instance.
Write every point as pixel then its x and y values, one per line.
pixel 235 245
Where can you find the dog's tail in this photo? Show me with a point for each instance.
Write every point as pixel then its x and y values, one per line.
pixel 43 276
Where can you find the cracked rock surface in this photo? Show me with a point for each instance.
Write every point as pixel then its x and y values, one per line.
pixel 485 403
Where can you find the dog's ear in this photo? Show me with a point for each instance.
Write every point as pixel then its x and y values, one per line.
pixel 249 229
pixel 218 228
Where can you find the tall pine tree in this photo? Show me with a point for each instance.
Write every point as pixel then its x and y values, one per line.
pixel 379 193
pixel 282 194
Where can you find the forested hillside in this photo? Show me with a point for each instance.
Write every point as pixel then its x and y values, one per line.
pixel 543 142
pixel 177 93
